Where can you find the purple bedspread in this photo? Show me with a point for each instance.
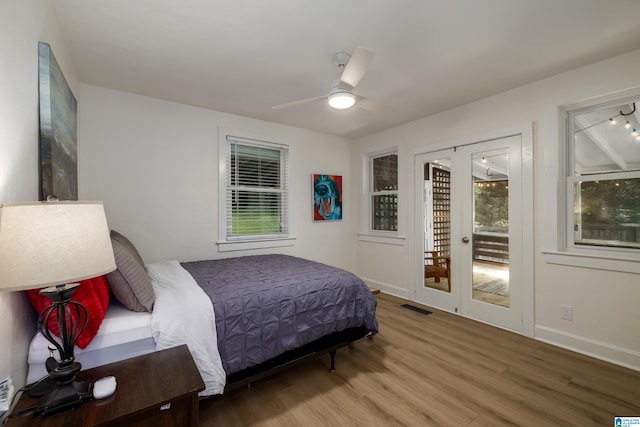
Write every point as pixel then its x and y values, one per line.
pixel 268 304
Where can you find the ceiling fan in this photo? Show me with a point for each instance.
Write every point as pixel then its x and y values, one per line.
pixel 351 70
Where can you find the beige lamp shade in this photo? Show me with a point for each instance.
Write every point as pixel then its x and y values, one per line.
pixel 52 243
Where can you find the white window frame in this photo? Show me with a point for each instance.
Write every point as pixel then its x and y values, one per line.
pixel 568 253
pixel 259 241
pixel 367 232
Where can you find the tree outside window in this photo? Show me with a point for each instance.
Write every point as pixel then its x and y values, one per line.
pixel 491 206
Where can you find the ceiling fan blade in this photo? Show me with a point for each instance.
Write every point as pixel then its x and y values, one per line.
pixel 297 103
pixel 373 106
pixel 357 66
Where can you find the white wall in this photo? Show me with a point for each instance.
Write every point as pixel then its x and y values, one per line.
pixel 154 164
pixel 606 319
pixel 22 24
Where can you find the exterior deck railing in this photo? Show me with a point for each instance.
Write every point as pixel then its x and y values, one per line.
pixel 491 247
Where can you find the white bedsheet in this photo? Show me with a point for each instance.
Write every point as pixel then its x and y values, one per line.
pixel 183 314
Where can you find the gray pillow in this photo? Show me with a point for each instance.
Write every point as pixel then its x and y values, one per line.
pixel 129 283
pixel 126 242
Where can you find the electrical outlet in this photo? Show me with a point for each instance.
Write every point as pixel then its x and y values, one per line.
pixel 567 312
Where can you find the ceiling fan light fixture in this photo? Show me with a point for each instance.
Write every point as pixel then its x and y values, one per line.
pixel 341 100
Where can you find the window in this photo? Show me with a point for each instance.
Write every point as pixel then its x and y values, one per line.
pixel 255 191
pixel 383 192
pixel 603 177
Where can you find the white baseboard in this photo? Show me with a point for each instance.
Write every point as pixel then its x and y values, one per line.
pixel 600 350
pixel 387 288
pixel 597 349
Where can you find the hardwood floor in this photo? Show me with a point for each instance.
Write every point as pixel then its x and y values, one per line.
pixel 436 370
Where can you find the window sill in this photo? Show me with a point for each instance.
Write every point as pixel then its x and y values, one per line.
pixel 384 239
pixel 594 261
pixel 243 245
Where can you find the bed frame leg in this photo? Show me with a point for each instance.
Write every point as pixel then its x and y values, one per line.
pixel 333 361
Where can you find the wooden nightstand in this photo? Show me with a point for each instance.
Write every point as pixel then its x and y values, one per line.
pixel 158 389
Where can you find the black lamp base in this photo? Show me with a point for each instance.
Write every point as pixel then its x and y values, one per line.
pixel 43 387
pixel 63 397
pixel 47 384
pixel 59 391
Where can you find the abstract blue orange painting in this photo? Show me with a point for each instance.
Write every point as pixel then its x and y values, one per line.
pixel 327 197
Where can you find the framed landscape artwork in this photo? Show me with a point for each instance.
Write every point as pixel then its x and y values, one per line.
pixel 58 130
pixel 327 197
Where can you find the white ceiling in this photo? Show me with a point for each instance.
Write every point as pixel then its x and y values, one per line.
pixel 244 56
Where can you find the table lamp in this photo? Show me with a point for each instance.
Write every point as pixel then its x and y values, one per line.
pixel 52 245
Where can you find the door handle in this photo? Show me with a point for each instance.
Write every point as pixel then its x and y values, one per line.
pixel 465 239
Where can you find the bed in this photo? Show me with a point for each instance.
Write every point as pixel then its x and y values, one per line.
pixel 242 318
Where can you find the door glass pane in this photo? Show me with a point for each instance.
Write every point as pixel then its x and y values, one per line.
pixel 437 225
pixel 491 227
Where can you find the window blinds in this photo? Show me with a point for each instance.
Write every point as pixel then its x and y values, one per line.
pixel 257 189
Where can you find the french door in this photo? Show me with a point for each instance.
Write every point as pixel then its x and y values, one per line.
pixel 434 220
pixel 469 214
